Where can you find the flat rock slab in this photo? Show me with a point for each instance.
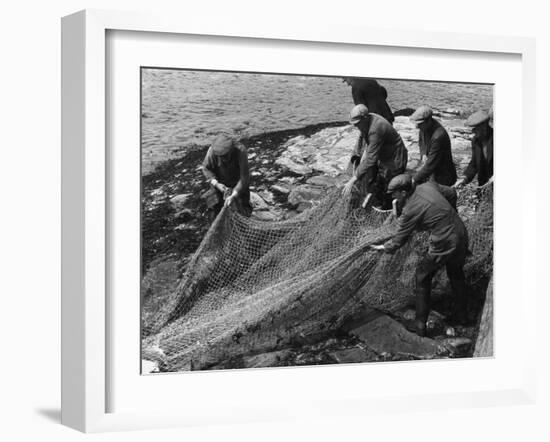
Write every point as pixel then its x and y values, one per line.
pixel 266 359
pixel 350 355
pixel 305 193
pixel 384 335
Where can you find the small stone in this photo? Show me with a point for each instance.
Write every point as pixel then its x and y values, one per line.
pixel 450 331
pixel 257 202
pixel 267 196
pixel 280 189
pixel 178 201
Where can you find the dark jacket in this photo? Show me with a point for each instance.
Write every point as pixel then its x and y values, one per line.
pixel 436 145
pixel 380 149
pixel 480 165
pixel 234 173
pixel 368 92
pixel 427 209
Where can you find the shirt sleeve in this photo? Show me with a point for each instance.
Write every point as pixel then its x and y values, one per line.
pixel 405 226
pixel 208 166
pixel 432 161
pixel 244 180
pixel 369 159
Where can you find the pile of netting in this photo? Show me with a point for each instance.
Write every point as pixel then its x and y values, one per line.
pixel 254 286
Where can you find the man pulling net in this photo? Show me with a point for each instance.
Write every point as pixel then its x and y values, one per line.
pixel 425 208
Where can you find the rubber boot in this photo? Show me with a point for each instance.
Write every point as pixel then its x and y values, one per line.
pixel 422 310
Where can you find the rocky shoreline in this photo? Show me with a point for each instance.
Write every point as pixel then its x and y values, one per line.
pixel 290 172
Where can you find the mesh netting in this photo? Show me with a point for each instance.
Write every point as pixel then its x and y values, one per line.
pixel 255 286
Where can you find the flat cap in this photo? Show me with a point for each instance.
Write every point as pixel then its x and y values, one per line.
pixel 477 118
pixel 400 182
pixel 222 144
pixel 421 114
pixel 358 113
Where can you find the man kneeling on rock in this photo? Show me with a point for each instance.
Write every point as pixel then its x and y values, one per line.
pixel 425 208
pixel 226 169
pixel 379 154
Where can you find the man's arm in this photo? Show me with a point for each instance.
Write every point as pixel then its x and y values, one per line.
pixel 471 171
pixel 244 170
pixel 208 166
pixel 435 154
pixel 406 224
pixel 370 156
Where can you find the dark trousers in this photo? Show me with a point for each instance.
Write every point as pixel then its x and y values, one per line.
pixel 426 270
pixel 241 203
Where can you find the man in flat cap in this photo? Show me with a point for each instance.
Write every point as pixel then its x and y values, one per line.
pixel 424 207
pixel 435 144
pixel 369 92
pixel 481 163
pixel 226 169
pixel 378 156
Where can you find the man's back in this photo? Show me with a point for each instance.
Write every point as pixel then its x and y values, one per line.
pixel 436 145
pixel 382 144
pixel 369 92
pixel 427 209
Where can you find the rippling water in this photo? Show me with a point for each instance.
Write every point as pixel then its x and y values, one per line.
pixel 180 108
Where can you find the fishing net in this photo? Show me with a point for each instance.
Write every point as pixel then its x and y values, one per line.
pixel 254 286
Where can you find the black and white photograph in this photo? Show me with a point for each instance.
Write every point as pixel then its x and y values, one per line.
pixel 300 220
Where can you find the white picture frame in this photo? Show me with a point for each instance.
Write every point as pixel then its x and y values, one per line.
pixel 86 212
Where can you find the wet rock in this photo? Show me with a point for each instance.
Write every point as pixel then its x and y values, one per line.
pixel 185 213
pixel 386 335
pixel 305 193
pixel 267 196
pixel 457 346
pixel 257 202
pixel 179 201
pixel 322 180
pixel 280 189
pixel 299 169
pixel 329 169
pixel 266 359
pixel 350 355
pixel 450 331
